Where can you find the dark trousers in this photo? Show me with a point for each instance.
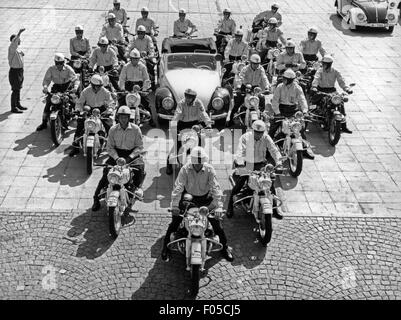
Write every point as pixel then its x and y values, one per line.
pixel 139 175
pixel 199 201
pixel 311 57
pixel 55 88
pixel 113 80
pixel 16 78
pixel 239 100
pixel 263 52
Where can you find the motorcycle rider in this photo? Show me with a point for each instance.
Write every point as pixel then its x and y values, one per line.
pixel 325 81
pixel 288 98
pixel 226 26
pixel 79 46
pixel 266 15
pixel 147 22
pixel 311 46
pixel 94 96
pixel 268 38
pixel 62 76
pixel 124 141
pixel 134 73
pixel 235 49
pixel 197 178
pixel 106 57
pixel 255 149
pixel 290 58
pixel 113 31
pixel 120 13
pixel 252 74
pixel 182 25
pixel 190 111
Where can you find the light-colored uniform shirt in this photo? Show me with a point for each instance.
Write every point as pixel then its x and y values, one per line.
pixel 77 45
pixel 268 34
pixel 327 79
pixel 113 33
pixel 60 77
pixel 227 26
pixel 94 100
pixel 109 58
pixel 191 113
pixel 149 24
pixel 235 49
pixel 254 77
pixel 121 15
pixel 15 55
pixel 267 15
pixel 312 47
pixel 128 139
pixel 180 27
pixel 253 151
pixel 197 184
pixel 296 58
pixel 133 73
pixel 289 94
pixel 145 44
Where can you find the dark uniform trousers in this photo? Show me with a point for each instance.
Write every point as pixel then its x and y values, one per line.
pixel 16 78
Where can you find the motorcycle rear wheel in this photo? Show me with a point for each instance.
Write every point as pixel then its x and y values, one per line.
pixel 114 222
pixel 296 164
pixel 195 277
pixel 89 160
pixel 56 130
pixel 334 132
pixel 268 230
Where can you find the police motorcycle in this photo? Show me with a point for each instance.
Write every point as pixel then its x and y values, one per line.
pixel 289 140
pixel 120 194
pixel 233 80
pixel 249 111
pixel 258 196
pixel 81 68
pixel 195 239
pixel 328 113
pixel 222 39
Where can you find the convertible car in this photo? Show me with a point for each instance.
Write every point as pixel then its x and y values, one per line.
pixel 368 13
pixel 191 63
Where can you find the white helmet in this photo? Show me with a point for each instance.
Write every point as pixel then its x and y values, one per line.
pixel 124 110
pixel 145 9
pixel 79 28
pixel 59 57
pixel 182 11
pixel 111 16
pixel 116 1
pixel 289 73
pixel 239 32
pixel 227 10
pixel 272 21
pixel 103 40
pixel 259 126
pixel 312 30
pixel 328 59
pixel 134 53
pixel 97 80
pixel 290 44
pixel 141 28
pixel 199 156
pixel 255 58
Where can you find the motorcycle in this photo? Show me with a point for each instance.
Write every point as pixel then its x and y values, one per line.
pixel 249 111
pixel 195 239
pixel 222 39
pixel 81 67
pixel 256 197
pixel 233 81
pixel 291 145
pixel 306 77
pixel 61 113
pixel 139 115
pixel 119 193
pixel 151 64
pixel 328 113
pixel 272 55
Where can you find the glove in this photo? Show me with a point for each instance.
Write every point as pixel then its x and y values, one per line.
pixel 45 90
pixel 218 213
pixel 349 91
pixel 314 89
pixel 74 90
pixel 175 211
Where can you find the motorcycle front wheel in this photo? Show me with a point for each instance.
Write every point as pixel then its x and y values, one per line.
pixel 295 163
pixel 334 132
pixel 114 222
pixel 266 233
pixel 56 130
pixel 195 277
pixel 89 160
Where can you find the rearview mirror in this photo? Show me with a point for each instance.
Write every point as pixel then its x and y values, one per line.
pixel 352 84
pixel 218 57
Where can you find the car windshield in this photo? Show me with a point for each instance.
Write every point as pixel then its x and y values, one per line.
pixel 187 61
pixel 378 1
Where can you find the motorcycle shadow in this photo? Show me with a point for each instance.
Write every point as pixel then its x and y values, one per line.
pixel 90 231
pixel 318 139
pixel 38 143
pixel 160 189
pixel 166 280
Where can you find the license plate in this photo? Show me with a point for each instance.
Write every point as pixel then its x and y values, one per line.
pixel 379 25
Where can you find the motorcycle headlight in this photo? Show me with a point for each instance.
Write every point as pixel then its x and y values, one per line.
pixel 90 125
pixel 296 127
pixel 114 177
pixel 77 64
pixel 257 90
pixel 168 103
pixel 392 4
pixel 197 228
pixel 265 183
pixel 131 99
pixel 217 103
pixel 254 102
pixel 360 16
pixel 336 99
pixel 55 99
pixel 316 65
pixel 276 53
pixel 391 16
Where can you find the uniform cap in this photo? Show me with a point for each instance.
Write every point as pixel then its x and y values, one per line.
pixel 190 92
pixel 259 126
pixel 255 58
pixel 328 59
pixel 182 11
pixel 79 28
pixel 199 156
pixel 272 21
pixel 103 40
pixel 111 16
pixel 59 57
pixel 145 9
pixel 134 53
pixel 124 110
pixel 290 44
pixel 97 80
pixel 289 73
pixel 141 28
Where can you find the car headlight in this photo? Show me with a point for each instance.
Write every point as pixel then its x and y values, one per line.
pixel 336 99
pixel 55 99
pixel 168 103
pixel 360 16
pixel 90 125
pixel 77 64
pixel 254 101
pixel 391 16
pixel 114 177
pixel 217 103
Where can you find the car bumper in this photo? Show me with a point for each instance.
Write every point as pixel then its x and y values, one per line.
pixel 376 25
pixel 219 116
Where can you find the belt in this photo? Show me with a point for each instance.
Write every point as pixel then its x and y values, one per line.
pixel 327 90
pixel 123 153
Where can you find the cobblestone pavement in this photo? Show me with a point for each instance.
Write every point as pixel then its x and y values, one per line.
pixel 332 226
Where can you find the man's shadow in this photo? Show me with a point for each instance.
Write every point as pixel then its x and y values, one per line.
pixel 93 228
pixel 160 189
pixel 37 144
pixel 320 142
pixel 4 116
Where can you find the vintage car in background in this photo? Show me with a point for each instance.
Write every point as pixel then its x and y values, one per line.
pixel 368 13
pixel 191 63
